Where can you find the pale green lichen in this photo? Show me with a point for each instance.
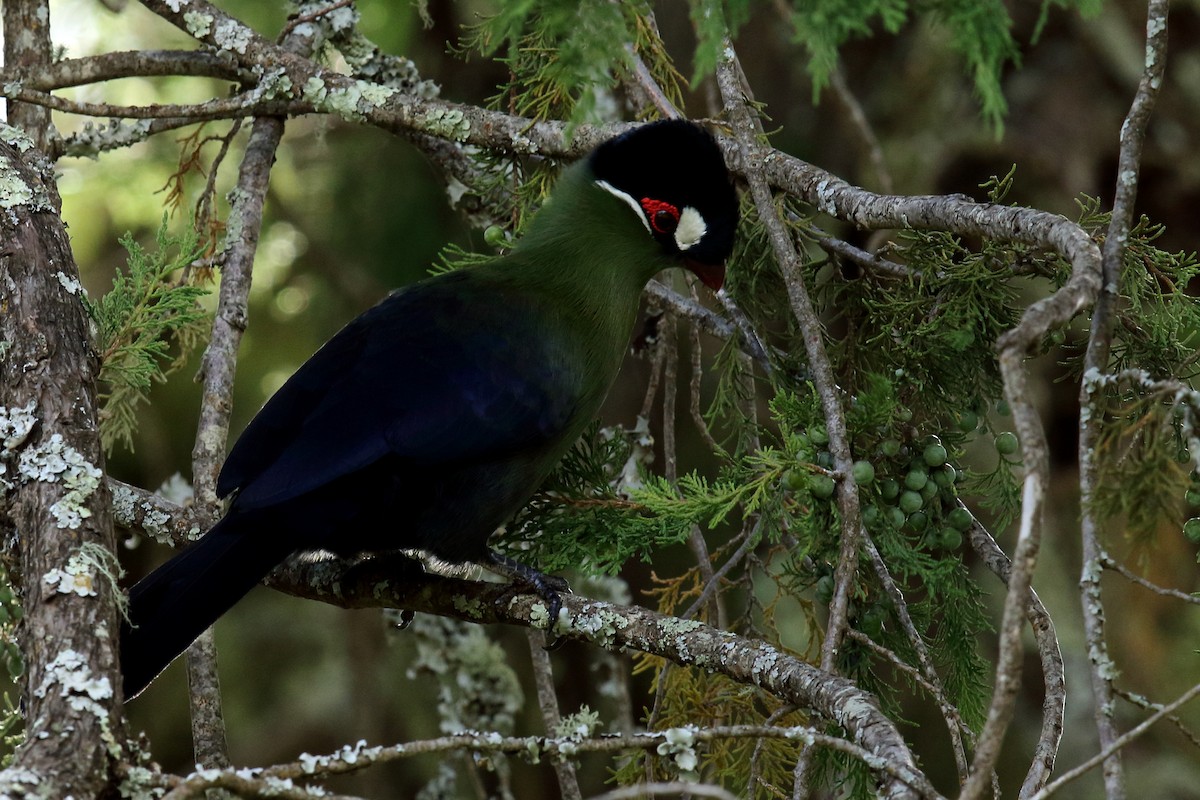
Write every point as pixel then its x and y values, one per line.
pixel 276 84
pixel 578 726
pixel 447 123
pixel 478 690
pixel 76 578
pixel 15 137
pixel 197 23
pixel 765 661
pixel 15 425
pixel 14 191
pixel 469 607
pixel 539 616
pixel 85 567
pixel 344 103
pixel 232 35
pixel 340 101
pixel 55 461
pixel 374 94
pixel 83 691
pixel 349 754
pixel 92 139
pixel 72 285
pixel 679 745
pixel 600 623
pixel 673 626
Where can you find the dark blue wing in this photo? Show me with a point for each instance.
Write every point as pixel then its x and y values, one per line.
pixel 443 373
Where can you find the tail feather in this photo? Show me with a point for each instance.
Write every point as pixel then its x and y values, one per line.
pixel 173 605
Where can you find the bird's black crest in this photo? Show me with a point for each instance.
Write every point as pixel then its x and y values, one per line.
pixel 677 162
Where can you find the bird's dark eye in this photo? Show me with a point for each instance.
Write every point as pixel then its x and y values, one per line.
pixel 663 216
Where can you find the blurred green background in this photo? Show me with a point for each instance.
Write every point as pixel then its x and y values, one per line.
pixel 353 212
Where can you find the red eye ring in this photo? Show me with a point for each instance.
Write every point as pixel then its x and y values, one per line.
pixel 663 216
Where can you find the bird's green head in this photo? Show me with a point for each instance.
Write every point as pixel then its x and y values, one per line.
pixel 672 176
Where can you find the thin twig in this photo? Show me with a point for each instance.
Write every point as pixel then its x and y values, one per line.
pixel 1116 745
pixel 954 723
pixel 1108 562
pixel 1146 704
pixel 1054 700
pixel 750 538
pixel 640 790
pixel 1096 359
pixel 543 678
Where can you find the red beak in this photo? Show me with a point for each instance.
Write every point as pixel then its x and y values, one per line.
pixel 711 275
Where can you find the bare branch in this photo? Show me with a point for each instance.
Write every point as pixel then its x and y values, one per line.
pixel 1118 743
pixel 124 64
pixel 543 679
pixel 1108 562
pixel 1096 359
pixel 1054 701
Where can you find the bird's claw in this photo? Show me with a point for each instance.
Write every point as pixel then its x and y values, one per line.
pixel 523 577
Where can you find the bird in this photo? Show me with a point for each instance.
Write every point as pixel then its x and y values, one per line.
pixel 430 419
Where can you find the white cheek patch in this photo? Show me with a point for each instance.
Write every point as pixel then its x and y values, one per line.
pixel 629 201
pixel 691 228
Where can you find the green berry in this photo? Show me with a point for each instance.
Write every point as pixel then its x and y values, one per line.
pixel 1058 336
pixel 494 236
pixel 795 480
pixel 821 486
pixel 1002 408
pixel 968 421
pixel 946 476
pixel 949 539
pixel 959 518
pixel 1191 529
pixel 895 517
pixel 935 455
pixel 929 491
pixel 904 414
pixel 918 521
pixel 910 502
pixel 889 489
pixel 889 447
pixel 1193 497
pixel 871 516
pixel 863 472
pixel 825 460
pixel 1006 443
pixel 818 435
pixel 916 479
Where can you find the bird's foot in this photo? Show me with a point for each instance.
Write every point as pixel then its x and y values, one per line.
pixel 544 586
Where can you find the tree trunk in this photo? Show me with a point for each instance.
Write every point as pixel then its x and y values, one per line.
pixel 54 505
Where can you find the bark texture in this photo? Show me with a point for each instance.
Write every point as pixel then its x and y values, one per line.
pixel 54 503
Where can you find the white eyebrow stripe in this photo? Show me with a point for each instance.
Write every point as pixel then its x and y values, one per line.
pixel 691 228
pixel 626 198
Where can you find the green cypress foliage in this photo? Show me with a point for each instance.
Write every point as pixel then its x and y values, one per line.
pixel 146 326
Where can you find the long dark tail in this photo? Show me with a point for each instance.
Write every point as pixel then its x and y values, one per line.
pixel 173 605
